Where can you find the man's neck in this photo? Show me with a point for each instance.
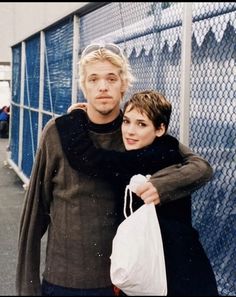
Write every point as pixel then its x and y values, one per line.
pixel 100 119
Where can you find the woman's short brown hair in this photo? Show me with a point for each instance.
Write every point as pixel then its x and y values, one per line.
pixel 153 104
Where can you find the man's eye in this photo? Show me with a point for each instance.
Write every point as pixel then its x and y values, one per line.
pixel 112 79
pixel 92 79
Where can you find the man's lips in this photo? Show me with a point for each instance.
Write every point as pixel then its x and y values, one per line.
pixel 103 97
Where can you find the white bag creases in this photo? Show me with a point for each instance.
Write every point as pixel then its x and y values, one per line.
pixel 137 259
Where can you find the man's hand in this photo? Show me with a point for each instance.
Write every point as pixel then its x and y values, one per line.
pixel 78 105
pixel 148 193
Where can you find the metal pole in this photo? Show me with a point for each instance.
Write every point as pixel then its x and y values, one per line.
pixel 41 83
pixel 75 59
pixel 22 88
pixel 185 73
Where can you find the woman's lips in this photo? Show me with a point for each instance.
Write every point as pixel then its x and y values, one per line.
pixel 131 141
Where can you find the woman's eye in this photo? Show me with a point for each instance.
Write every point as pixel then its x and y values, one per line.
pixel 142 124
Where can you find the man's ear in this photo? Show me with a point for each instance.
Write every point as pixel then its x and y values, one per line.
pixel 124 86
pixel 161 130
pixel 123 89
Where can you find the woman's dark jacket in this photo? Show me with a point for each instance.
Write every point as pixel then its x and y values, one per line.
pixel 188 269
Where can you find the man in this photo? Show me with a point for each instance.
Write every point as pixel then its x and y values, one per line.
pixel 4 122
pixel 81 213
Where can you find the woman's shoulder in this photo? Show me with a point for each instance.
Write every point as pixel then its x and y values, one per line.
pixel 165 142
pixel 171 140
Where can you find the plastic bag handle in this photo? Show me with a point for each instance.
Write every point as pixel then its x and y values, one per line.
pixel 128 191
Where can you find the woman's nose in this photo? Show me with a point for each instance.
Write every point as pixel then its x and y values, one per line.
pixel 130 129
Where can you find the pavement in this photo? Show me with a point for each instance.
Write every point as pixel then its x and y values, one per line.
pixel 11 199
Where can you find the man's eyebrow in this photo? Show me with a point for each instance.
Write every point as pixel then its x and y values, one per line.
pixel 108 74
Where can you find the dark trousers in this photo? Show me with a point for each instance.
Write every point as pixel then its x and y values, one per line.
pixel 4 129
pixel 54 290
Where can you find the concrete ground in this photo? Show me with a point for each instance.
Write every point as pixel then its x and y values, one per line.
pixel 11 199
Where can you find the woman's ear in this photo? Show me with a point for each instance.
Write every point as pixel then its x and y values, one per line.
pixel 161 130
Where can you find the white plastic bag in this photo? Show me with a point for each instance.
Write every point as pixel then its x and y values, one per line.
pixel 137 259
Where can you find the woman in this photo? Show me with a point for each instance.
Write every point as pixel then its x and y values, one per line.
pixel 149 148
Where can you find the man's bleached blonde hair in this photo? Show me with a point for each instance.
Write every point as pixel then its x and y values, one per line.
pixel 103 54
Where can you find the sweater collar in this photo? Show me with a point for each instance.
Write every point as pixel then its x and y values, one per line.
pixel 106 128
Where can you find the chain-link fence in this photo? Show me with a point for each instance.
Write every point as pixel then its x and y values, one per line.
pixel 44 84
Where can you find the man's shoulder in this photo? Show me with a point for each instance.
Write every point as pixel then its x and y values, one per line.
pixel 67 124
pixel 48 130
pixel 53 122
pixel 49 125
pixel 67 120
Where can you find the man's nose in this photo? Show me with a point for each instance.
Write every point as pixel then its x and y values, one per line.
pixel 103 85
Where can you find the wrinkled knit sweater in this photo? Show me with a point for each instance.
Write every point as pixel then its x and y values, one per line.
pixel 80 213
